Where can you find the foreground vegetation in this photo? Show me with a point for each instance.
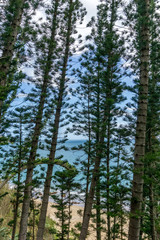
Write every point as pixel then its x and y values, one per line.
pixel 104 89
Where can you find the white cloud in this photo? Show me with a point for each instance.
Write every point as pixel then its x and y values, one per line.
pixel 91 7
pixel 22 95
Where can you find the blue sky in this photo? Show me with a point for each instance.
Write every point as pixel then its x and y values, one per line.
pixel 91 11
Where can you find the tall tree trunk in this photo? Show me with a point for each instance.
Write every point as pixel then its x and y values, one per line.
pixel 149 149
pixel 42 219
pixel 137 188
pixel 152 213
pixel 142 218
pixel 69 214
pixel 89 147
pixel 116 196
pixel 98 209
pixel 15 6
pixel 16 208
pixel 152 115
pixel 122 222
pixel 88 204
pixel 114 224
pixel 109 78
pixel 34 223
pixel 98 198
pixel 18 182
pixel 37 131
pixel 151 191
pixel 62 218
pixel 108 180
pixel 102 133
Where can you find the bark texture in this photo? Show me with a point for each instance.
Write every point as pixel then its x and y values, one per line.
pixel 37 131
pixel 137 189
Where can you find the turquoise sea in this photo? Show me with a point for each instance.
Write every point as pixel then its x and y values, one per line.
pixel 69 155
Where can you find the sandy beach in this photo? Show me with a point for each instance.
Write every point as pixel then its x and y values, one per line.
pixel 78 218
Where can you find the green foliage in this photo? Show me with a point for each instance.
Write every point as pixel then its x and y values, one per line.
pixel 46 48
pixel 6 212
pixel 65 187
pixel 50 229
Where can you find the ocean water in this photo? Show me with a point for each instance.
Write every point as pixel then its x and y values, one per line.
pixel 69 155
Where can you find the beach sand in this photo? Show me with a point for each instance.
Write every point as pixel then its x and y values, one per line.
pixel 78 218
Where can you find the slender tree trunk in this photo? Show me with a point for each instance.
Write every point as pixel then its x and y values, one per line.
pixel 27 197
pixel 151 191
pixel 121 225
pixel 15 213
pixel 142 219
pixel 89 147
pixel 114 224
pixel 152 114
pixel 69 215
pixel 42 219
pixel 16 208
pixel 108 181
pixel 116 197
pixel 98 198
pixel 98 210
pixel 152 213
pixel 37 131
pixel 33 219
pixel 88 204
pixel 62 214
pixel 18 182
pixel 137 189
pixel 17 7
pixel 109 78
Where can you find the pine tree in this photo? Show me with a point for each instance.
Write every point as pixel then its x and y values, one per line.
pixel 83 123
pixel 137 189
pixel 18 113
pixel 13 20
pixel 64 184
pixel 14 156
pixel 72 13
pixel 111 88
pixel 152 142
pixel 152 115
pixel 119 181
pixel 15 11
pixel 46 66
